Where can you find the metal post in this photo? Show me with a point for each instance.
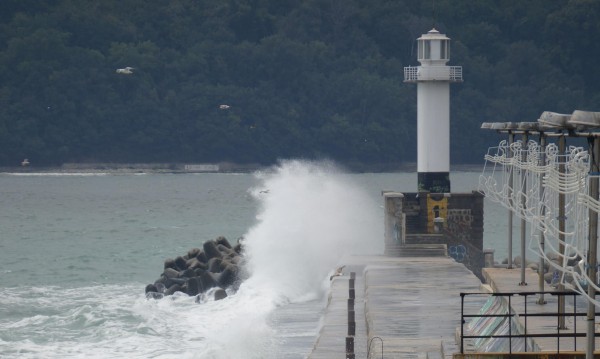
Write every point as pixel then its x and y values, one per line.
pixel 575 320
pixel 592 247
pixel 523 204
pixel 462 323
pixel 525 339
pixel 511 139
pixel 558 328
pixel 509 325
pixel 351 313
pixel 542 263
pixel 561 228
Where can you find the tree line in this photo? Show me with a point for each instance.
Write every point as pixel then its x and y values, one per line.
pixel 253 81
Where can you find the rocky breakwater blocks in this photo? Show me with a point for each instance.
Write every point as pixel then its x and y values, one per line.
pixel 216 266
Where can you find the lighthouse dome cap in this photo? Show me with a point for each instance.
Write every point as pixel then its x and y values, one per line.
pixel 433 34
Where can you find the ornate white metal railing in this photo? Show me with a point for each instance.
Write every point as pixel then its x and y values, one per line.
pixel 532 181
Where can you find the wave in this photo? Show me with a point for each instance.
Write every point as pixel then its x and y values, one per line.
pixel 310 216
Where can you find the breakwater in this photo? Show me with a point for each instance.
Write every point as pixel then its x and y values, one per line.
pixel 214 268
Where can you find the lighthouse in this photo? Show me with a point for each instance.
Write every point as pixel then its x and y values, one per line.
pixel 433 80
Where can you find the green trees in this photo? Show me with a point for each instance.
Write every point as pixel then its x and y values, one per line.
pixel 306 79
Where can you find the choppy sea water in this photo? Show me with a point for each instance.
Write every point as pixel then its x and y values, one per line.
pixel 76 251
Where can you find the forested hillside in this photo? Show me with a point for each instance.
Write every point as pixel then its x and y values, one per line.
pixel 252 81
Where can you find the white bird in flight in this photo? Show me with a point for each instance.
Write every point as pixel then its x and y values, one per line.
pixel 338 272
pixel 127 70
pixel 224 107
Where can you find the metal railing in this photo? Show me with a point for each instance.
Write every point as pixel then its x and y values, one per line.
pixel 456 73
pixel 511 314
pixel 439 73
pixel 410 73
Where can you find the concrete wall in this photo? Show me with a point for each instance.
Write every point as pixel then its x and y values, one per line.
pixel 453 219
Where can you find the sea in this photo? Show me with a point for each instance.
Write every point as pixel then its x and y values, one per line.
pixel 78 249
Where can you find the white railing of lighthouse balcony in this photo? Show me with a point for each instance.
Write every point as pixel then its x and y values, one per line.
pixel 433 73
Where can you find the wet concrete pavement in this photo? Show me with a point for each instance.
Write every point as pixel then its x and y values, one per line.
pixel 405 307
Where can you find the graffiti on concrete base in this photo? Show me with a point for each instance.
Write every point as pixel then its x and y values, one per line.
pixel 459 252
pixel 459 223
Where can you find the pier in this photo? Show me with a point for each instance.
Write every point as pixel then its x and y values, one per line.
pixel 410 307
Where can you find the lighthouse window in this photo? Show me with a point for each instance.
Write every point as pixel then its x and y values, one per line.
pixel 444 50
pixel 424 50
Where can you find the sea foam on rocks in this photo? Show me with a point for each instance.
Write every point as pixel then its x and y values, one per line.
pixel 215 268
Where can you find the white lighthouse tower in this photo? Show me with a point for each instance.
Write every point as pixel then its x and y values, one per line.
pixel 433 80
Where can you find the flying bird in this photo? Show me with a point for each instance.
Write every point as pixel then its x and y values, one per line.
pixel 338 272
pixel 127 70
pixel 224 107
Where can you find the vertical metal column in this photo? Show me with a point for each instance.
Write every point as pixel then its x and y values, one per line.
pixel 523 204
pixel 561 227
pixel 511 139
pixel 541 266
pixel 592 246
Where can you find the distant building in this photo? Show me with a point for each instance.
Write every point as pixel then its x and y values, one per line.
pixel 201 168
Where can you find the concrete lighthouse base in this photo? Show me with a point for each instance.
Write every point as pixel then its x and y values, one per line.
pixel 434 182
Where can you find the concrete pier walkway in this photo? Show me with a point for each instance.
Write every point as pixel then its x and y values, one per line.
pixel 409 307
pixel 502 280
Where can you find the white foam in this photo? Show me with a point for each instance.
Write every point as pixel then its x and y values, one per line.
pixel 311 216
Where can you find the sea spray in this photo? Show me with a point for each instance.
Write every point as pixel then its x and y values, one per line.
pixel 310 216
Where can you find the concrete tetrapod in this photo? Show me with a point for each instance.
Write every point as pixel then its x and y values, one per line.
pixel 217 265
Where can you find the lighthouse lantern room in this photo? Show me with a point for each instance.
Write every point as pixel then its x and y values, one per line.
pixel 434 48
pixel 433 80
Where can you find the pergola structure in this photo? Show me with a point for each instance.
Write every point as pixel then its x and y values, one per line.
pixel 556 190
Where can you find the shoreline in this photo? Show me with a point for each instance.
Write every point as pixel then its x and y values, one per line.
pixel 222 167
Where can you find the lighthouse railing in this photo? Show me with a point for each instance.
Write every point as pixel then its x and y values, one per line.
pixel 433 73
pixel 410 73
pixel 456 73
